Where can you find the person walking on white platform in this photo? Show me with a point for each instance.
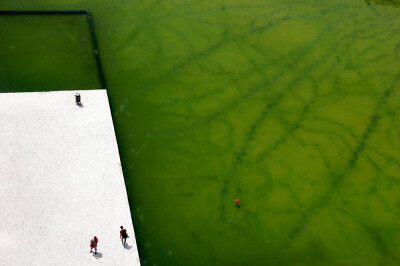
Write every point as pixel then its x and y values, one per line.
pixel 123 235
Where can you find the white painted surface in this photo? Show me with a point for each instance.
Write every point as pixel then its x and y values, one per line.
pixel 61 181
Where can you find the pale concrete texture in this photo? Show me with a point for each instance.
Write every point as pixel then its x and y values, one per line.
pixel 61 181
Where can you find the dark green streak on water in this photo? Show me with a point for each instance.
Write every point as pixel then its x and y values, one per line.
pixel 291 106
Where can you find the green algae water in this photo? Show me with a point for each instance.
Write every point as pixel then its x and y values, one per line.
pixel 290 106
pixel 46 52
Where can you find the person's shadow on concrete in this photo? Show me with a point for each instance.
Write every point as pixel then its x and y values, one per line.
pixel 127 246
pixel 98 255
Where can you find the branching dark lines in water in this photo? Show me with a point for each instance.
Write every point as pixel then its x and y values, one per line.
pixel 373 121
pixel 290 86
pixel 187 14
pixel 204 53
pixel 338 179
pixel 294 57
pixel 296 124
pixel 220 44
pixel 385 156
pixel 292 128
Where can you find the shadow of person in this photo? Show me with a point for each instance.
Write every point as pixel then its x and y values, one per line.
pixel 98 255
pixel 127 246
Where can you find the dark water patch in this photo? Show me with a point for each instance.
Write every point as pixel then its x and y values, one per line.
pixel 22 50
pixel 394 3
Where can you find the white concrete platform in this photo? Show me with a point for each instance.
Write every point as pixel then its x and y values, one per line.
pixel 61 181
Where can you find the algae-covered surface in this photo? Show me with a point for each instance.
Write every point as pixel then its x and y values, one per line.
pixel 290 106
pixel 45 53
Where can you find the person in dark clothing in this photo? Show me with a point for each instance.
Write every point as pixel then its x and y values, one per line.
pixel 123 235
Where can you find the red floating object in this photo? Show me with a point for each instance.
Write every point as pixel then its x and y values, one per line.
pixel 237 201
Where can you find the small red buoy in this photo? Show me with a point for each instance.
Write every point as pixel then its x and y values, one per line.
pixel 237 201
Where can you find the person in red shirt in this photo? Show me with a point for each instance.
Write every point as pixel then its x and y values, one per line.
pixel 93 244
pixel 123 235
